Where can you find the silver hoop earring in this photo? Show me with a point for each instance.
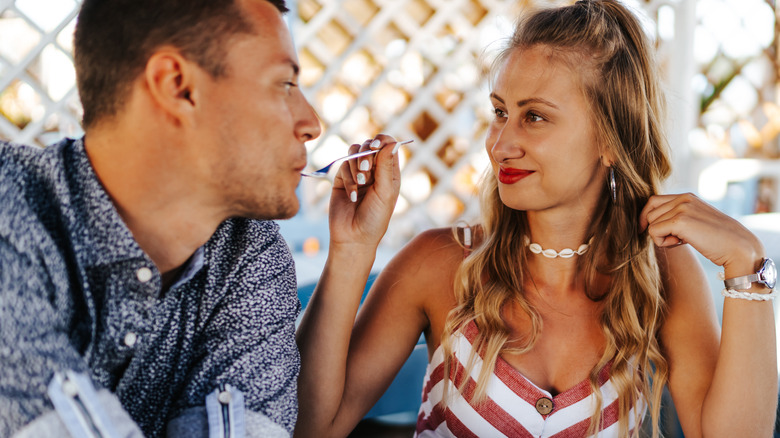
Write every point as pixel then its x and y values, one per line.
pixel 612 184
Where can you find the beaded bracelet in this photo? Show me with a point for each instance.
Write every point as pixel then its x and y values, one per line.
pixel 750 296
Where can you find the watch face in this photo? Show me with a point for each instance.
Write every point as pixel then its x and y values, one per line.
pixel 769 272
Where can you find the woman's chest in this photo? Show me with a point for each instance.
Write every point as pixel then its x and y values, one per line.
pixel 566 348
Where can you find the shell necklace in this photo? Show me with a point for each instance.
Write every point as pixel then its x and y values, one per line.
pixel 551 253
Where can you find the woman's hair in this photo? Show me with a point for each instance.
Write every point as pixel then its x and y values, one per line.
pixel 605 44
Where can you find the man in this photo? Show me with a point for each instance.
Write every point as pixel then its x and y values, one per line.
pixel 142 289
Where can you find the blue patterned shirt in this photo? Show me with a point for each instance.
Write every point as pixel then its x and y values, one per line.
pixel 78 293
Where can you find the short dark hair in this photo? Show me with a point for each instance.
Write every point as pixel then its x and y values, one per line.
pixel 115 38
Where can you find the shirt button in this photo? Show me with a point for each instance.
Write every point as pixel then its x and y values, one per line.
pixel 130 339
pixel 143 275
pixel 224 397
pixel 544 406
pixel 69 388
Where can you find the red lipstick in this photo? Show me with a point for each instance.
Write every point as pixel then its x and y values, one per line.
pixel 507 175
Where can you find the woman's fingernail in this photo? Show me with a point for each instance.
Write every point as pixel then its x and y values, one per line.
pixel 361 179
pixel 353 196
pixel 396 147
pixel 365 166
pixel 375 144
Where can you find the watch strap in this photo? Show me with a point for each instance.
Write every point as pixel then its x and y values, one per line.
pixel 743 282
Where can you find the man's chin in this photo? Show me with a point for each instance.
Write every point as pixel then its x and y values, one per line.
pixel 290 213
pixel 282 211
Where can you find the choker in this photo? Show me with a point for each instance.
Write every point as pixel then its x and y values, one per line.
pixel 551 253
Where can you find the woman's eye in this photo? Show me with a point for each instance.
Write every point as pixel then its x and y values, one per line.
pixel 289 85
pixel 533 117
pixel 499 113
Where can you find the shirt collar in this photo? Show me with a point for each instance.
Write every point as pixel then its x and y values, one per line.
pixel 193 266
pixel 100 236
pixel 98 233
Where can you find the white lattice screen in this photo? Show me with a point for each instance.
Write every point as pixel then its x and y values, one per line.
pixel 411 68
pixel 38 99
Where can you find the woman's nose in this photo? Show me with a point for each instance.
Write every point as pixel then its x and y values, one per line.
pixel 505 145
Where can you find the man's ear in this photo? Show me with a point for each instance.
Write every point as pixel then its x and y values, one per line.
pixel 170 80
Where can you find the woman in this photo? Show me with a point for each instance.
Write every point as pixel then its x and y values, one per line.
pixel 579 290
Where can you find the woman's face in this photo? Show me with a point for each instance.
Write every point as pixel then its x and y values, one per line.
pixel 541 142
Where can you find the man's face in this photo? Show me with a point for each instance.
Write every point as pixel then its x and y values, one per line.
pixel 255 121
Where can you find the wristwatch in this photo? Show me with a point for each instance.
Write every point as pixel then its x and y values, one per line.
pixel 766 275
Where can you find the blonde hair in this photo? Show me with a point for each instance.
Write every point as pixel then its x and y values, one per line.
pixel 627 110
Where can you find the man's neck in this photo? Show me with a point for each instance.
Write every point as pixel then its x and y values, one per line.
pixel 153 194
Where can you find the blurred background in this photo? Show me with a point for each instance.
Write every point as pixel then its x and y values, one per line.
pixel 414 69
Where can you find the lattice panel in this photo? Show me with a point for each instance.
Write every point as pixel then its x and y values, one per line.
pixel 38 99
pixel 737 81
pixel 410 68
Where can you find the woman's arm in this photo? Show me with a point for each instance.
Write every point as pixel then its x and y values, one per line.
pixel 721 387
pixel 344 374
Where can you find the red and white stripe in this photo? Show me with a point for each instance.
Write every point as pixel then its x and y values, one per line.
pixel 510 407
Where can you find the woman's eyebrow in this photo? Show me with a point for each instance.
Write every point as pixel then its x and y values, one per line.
pixel 495 96
pixel 524 102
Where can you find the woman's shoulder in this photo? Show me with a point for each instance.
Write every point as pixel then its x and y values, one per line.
pixel 446 244
pixel 429 261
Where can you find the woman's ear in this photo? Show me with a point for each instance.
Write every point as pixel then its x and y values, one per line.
pixel 170 81
pixel 606 159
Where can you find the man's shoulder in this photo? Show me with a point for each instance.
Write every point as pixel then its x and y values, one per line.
pixel 247 233
pixel 30 171
pixel 28 180
pixel 241 240
pixel 30 216
pixel 23 159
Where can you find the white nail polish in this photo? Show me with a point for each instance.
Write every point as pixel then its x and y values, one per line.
pixel 353 196
pixel 365 166
pixel 375 144
pixel 361 179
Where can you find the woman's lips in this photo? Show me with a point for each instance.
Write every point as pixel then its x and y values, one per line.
pixel 510 176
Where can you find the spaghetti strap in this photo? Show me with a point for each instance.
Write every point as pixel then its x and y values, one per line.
pixel 466 241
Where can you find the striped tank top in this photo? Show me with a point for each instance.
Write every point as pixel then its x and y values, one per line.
pixel 514 406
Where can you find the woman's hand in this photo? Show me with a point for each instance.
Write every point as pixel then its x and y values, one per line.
pixel 672 220
pixel 364 194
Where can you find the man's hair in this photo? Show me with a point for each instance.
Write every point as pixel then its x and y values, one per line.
pixel 115 38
